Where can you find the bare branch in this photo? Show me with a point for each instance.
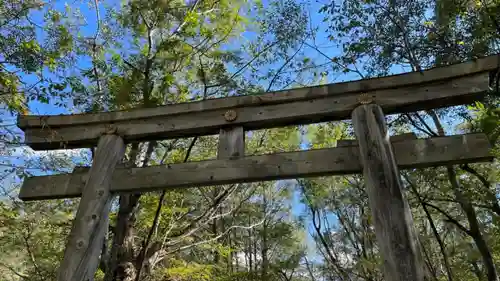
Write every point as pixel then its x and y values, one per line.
pixel 147 242
pixel 449 218
pixel 216 237
pixel 184 22
pixel 19 274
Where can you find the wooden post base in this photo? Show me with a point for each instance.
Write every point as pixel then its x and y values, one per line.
pixel 391 214
pixel 85 241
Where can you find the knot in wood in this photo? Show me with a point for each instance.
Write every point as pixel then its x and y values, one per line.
pixel 365 99
pixel 230 115
pixel 80 243
pixel 110 130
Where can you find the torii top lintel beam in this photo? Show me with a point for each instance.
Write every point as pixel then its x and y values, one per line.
pixel 434 88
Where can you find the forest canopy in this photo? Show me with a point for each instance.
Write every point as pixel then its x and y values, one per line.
pixel 92 56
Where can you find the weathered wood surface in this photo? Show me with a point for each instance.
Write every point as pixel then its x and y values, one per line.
pixel 396 138
pixel 231 143
pixel 460 90
pixel 389 82
pixel 84 245
pixel 392 219
pixel 321 162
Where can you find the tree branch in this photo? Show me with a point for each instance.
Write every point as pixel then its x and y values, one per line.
pixel 154 226
pixel 19 274
pixel 433 227
pixel 217 237
pixel 449 218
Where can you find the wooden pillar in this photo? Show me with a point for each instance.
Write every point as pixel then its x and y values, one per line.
pixel 231 146
pixel 231 143
pixel 392 219
pixel 85 241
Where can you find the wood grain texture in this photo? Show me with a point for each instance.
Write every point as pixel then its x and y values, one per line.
pixel 392 219
pixel 341 160
pixel 461 90
pixel 374 84
pixel 81 256
pixel 396 138
pixel 231 143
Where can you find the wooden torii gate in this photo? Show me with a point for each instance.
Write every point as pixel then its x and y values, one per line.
pixel 373 153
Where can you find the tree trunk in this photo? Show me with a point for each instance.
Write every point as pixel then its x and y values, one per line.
pixel 121 265
pixel 476 270
pixel 434 231
pixel 215 232
pixel 250 248
pixel 264 246
pixel 474 229
pixel 470 212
